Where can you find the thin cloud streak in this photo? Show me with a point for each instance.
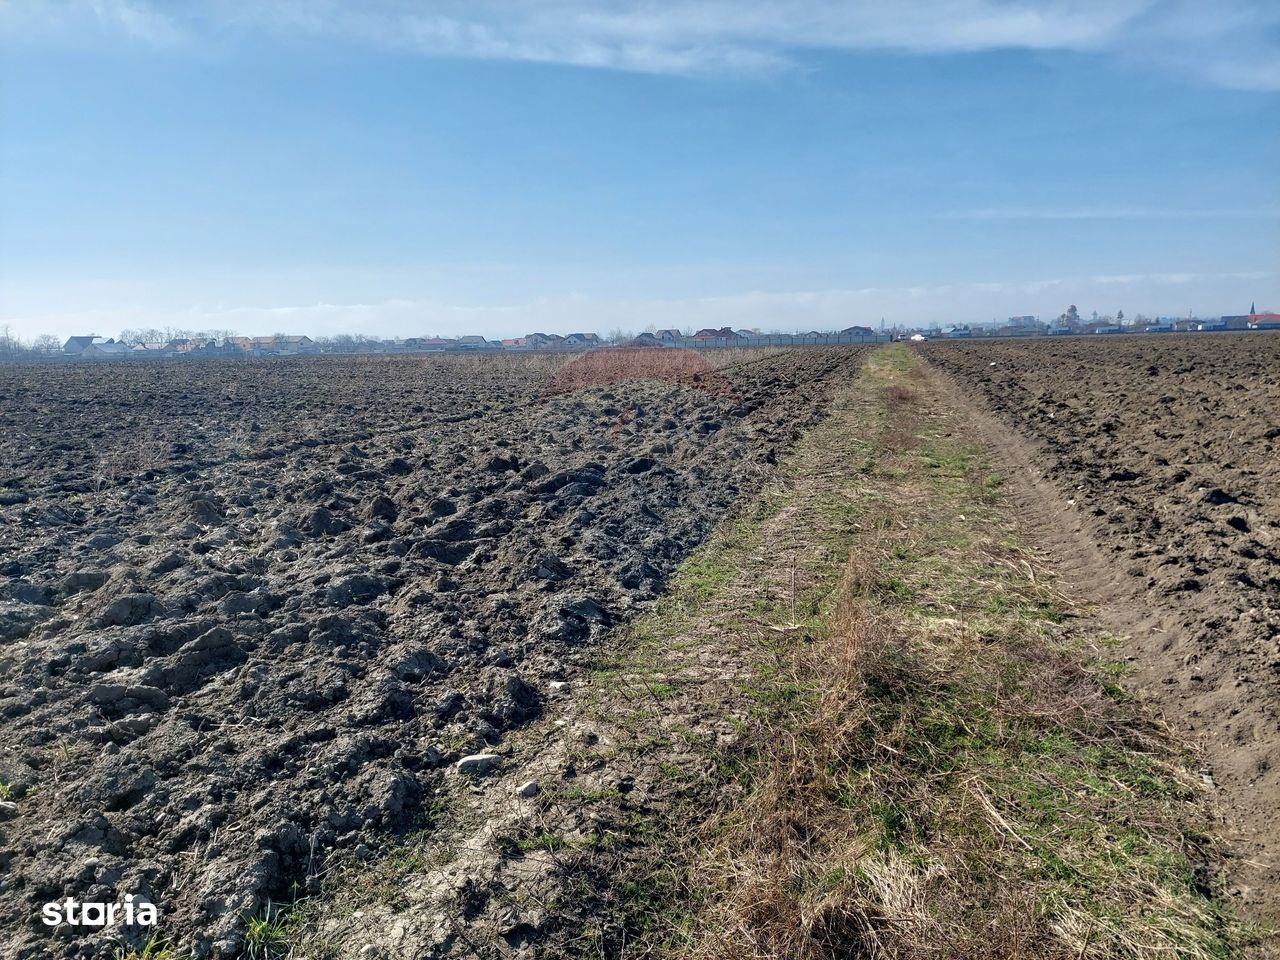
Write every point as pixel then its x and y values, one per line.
pixel 1230 43
pixel 1102 213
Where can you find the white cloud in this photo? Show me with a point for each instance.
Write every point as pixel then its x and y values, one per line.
pixel 1228 42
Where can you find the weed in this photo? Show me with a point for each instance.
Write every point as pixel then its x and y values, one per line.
pixel 156 948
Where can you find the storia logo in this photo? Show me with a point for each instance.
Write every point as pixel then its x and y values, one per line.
pixel 78 913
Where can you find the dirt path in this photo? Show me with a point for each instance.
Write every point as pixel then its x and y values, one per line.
pixel 1231 733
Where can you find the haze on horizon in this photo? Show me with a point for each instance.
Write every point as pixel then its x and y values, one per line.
pixel 498 167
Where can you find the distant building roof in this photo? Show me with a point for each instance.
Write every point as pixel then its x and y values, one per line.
pixel 76 344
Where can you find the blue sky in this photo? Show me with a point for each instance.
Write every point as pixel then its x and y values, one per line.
pixel 500 166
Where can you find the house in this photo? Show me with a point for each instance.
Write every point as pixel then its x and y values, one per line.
pixel 283 346
pixel 1240 322
pixel 1206 325
pixel 150 349
pixel 289 345
pixel 105 350
pixel 709 333
pixel 1103 327
pixel 239 344
pixel 669 336
pixel 76 345
pixel 477 343
pixel 516 343
pixel 645 340
pixel 543 341
pixel 958 333
pixel 857 332
pixel 1264 321
pixel 747 334
pixel 438 344
pixel 582 340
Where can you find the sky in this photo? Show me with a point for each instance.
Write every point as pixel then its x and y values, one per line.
pixel 397 168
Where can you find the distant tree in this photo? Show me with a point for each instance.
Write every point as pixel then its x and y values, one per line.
pixel 1072 315
pixel 141 335
pixel 1120 315
pixel 9 345
pixel 46 343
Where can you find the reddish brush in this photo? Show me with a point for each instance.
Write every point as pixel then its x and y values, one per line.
pixel 617 364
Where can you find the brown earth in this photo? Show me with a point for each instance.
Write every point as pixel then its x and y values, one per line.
pixel 250 612
pixel 1151 467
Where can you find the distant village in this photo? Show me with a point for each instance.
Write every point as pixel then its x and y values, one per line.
pixel 1070 323
pixel 158 344
pixel 90 347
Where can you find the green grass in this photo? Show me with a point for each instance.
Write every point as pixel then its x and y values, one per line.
pixel 156 948
pixel 268 935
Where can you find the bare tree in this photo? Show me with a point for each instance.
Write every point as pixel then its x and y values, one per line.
pixel 9 345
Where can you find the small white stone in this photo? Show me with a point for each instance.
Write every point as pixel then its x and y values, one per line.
pixel 529 789
pixel 558 686
pixel 478 763
pixel 368 950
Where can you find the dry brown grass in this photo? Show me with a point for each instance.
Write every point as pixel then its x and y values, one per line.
pixel 616 364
